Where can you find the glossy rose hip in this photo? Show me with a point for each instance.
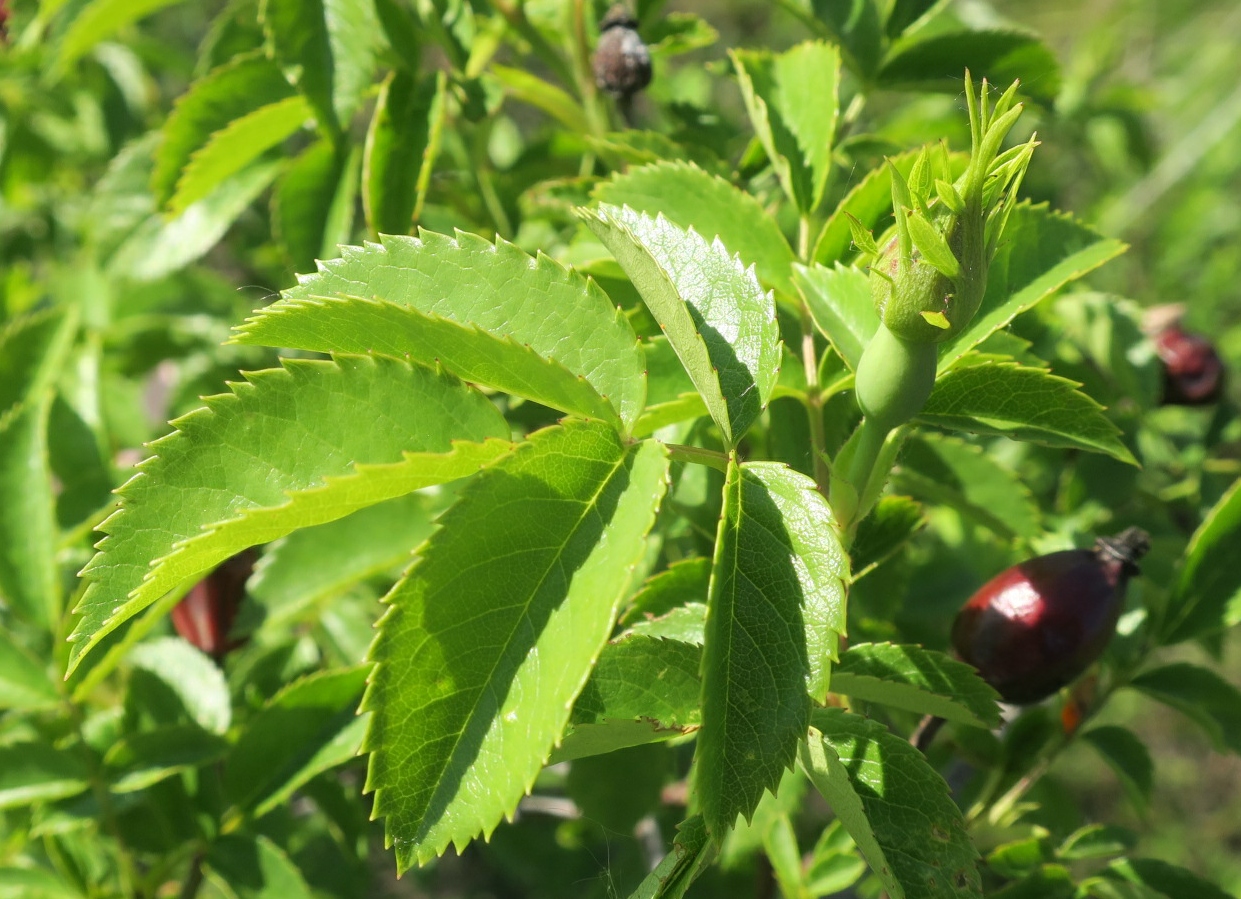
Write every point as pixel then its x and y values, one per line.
pixel 205 616
pixel 1193 370
pixel 1037 626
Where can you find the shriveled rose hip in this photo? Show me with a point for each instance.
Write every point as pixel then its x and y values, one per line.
pixel 622 63
pixel 1037 626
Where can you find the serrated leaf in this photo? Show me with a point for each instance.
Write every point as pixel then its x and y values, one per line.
pixel 309 727
pixel 1201 695
pixel 1040 253
pixel 775 611
pixel 691 198
pixel 791 99
pixel 643 689
pixel 253 867
pixel 862 238
pixel 24 681
pixel 230 149
pixel 1002 56
pixel 99 20
pixel 306 204
pixel 1127 756
pixel 893 521
pixel 327 48
pixel 686 623
pixel 948 471
pixel 402 144
pixel 718 320
pixel 1207 593
pixel 29 577
pixel 32 353
pixel 289 448
pixel 852 25
pixel 560 315
pixel 141 759
pixel 224 95
pixel 191 676
pixel 1171 881
pixel 159 247
pixel 894 805
pixel 692 850
pixel 917 680
pixel 680 583
pixel 670 394
pixel 357 325
pixel 463 718
pixel 1001 397
pixel 840 302
pixel 311 565
pixel 931 244
pixel 32 773
pixel 948 195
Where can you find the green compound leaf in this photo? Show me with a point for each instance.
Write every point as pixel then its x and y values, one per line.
pixel 1128 756
pixel 232 148
pixel 39 772
pixel 1171 881
pixel 1207 593
pixel 889 526
pixel 141 759
pixel 99 20
pixel 531 301
pixel 990 395
pixel 670 394
pixel 1202 696
pixel 791 99
pixel 716 316
pixel 692 850
pixel 312 205
pixel 32 352
pixel 1041 251
pixel 189 675
pixel 224 95
pixel 1002 56
pixel 643 689
pixel 840 303
pixel 775 610
pixel 29 576
pixel 917 680
pixel 948 471
pixel 678 585
pixel 253 867
pixel 534 559
pixel 328 49
pixel 309 727
pixel 401 147
pixel 356 325
pixel 691 198
pixel 894 805
pixel 289 448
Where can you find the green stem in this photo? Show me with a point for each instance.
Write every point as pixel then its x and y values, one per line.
pixel 103 799
pixel 810 362
pixel 515 15
pixel 679 452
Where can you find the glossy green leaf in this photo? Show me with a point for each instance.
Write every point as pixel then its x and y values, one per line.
pixel 1096 841
pixel 32 353
pixel 494 288
pixel 718 320
pixel 288 448
pixel 791 99
pixel 670 394
pixel 159 246
pixel 676 33
pixel 776 608
pixel 917 680
pixel 685 623
pixel 24 681
pixel 527 87
pixel 894 805
pixel 692 850
pixel 1127 755
pixel 932 245
pixel 691 198
pixel 141 759
pixel 401 147
pixel 232 148
pixel 893 521
pixel 680 583
pixel 1041 252
pixel 852 25
pixel 950 472
pixel 253 867
pixel 1207 593
pixel 302 571
pixel 32 773
pixel 29 577
pixel 327 48
pixel 1171 881
pixel 870 202
pixel 306 204
pixel 1202 696
pixel 192 677
pixel 309 727
pixel 463 718
pixel 223 96
pixel 904 13
pixel 356 325
pixel 936 63
pixel 839 300
pixel 99 20
pixel 989 395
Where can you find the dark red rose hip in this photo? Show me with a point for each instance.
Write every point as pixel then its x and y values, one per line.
pixel 622 63
pixel 1037 626
pixel 205 616
pixel 1193 373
